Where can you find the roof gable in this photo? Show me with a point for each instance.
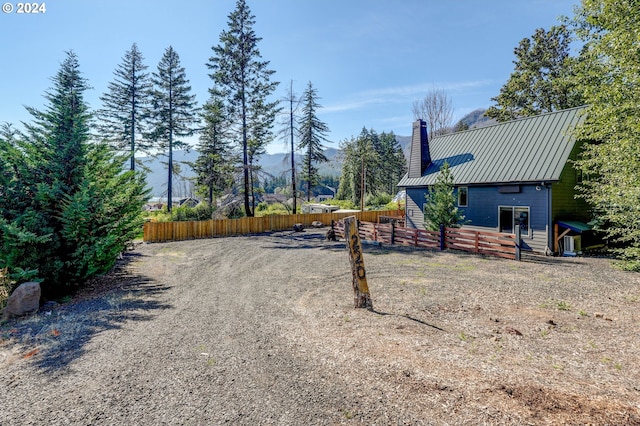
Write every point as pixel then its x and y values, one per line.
pixel 530 149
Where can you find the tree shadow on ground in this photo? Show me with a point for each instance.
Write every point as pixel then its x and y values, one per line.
pixel 57 335
pixel 290 240
pixel 435 327
pixel 541 259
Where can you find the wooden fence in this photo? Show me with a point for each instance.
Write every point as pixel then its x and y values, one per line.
pixel 155 232
pixel 490 243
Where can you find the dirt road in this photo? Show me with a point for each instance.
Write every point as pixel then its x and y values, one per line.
pixel 261 330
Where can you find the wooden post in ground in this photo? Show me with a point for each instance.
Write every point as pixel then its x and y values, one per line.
pixel 362 298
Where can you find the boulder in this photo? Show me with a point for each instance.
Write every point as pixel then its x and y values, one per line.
pixel 23 300
pixel 298 227
pixel 317 224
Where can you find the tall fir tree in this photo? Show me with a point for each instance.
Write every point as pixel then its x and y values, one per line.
pixel 243 79
pixel 215 165
pixel 312 133
pixel 126 105
pixel 541 81
pixel 174 112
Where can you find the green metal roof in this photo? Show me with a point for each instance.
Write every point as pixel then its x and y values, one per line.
pixel 574 225
pixel 531 149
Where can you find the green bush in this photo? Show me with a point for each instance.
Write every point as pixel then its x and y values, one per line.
pixel 68 208
pixel 183 213
pixel 378 199
pixel 264 209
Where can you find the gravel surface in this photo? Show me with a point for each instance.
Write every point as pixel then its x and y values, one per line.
pixel 261 330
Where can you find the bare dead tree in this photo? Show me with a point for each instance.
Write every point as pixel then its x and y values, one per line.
pixel 436 108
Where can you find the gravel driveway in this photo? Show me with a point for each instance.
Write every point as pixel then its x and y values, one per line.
pixel 261 330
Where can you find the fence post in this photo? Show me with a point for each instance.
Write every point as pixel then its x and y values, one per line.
pixel 393 232
pixel 442 242
pixel 518 239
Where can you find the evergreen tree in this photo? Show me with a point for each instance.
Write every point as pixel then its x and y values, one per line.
pixel 174 112
pixel 70 207
pixel 541 81
pixel 214 167
pixel 360 160
pixel 440 208
pixel 244 81
pixel 392 165
pixel 312 135
pixel 126 105
pixel 608 72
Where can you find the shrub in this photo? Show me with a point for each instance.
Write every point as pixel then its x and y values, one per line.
pixel 379 199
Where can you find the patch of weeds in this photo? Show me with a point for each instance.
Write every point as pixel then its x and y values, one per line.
pixel 544 305
pixel 632 299
pixel 347 318
pixel 557 367
pixel 422 291
pixel 583 313
pixel 544 333
pixel 211 362
pixel 592 344
pixel 606 360
pixel 563 306
pixel 465 337
pixel 618 366
pixel 347 414
pixel 65 299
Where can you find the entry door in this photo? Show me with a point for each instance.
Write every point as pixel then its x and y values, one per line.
pixel 506 220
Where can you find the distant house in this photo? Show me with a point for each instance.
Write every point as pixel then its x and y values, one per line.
pixel 274 198
pixel 508 175
pixel 188 202
pixel 152 207
pixel 318 208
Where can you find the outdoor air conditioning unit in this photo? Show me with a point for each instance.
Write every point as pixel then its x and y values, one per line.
pixel 571 244
pixel 568 245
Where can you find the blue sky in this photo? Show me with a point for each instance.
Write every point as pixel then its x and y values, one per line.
pixel 368 59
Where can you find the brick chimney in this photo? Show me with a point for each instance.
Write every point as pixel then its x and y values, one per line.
pixel 419 157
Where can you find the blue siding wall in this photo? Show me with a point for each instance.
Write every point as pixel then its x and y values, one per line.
pixel 413 207
pixel 483 205
pixel 482 210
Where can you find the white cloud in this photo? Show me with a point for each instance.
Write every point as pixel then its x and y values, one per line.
pixel 399 94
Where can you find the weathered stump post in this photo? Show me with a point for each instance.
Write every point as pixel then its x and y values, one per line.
pixel 362 298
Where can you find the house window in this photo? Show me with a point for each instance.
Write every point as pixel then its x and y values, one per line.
pixel 463 196
pixel 511 217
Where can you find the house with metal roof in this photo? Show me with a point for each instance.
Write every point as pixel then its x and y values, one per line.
pixel 513 174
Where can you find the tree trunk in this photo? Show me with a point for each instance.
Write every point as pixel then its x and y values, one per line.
pixel 362 298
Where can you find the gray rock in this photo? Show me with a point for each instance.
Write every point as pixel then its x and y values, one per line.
pixel 23 300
